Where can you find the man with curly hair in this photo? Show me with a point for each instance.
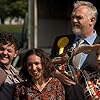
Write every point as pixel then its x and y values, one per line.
pixel 8 74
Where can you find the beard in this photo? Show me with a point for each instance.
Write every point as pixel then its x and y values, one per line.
pixel 76 31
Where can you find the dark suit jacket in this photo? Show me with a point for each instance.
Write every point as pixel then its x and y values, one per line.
pixel 91 60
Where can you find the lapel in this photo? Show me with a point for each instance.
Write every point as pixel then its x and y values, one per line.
pixel 91 61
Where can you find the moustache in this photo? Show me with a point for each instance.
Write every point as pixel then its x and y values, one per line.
pixel 4 56
pixel 75 23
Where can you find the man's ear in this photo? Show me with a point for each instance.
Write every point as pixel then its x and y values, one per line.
pixel 93 19
pixel 16 53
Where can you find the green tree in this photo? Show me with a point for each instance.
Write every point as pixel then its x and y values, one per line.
pixel 13 8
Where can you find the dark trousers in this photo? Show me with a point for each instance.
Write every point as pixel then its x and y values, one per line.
pixel 74 92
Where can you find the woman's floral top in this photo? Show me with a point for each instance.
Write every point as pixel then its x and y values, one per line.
pixel 53 90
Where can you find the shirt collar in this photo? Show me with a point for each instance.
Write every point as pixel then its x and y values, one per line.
pixel 90 39
pixel 15 71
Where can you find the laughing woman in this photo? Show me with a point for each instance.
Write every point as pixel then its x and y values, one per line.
pixel 38 73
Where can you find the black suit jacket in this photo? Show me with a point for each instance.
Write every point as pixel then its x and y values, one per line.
pixel 91 61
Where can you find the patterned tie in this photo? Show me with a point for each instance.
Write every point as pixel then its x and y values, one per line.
pixel 77 59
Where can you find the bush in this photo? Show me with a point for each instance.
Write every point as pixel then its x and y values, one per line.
pixel 10 28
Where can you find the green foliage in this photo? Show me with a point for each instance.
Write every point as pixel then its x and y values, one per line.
pixel 13 8
pixel 10 28
pixel 18 8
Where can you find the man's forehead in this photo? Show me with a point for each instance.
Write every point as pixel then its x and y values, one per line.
pixel 7 45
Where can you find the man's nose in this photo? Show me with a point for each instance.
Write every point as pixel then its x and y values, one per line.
pixel 34 67
pixel 75 20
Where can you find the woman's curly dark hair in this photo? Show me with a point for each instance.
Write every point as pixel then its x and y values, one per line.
pixel 46 61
